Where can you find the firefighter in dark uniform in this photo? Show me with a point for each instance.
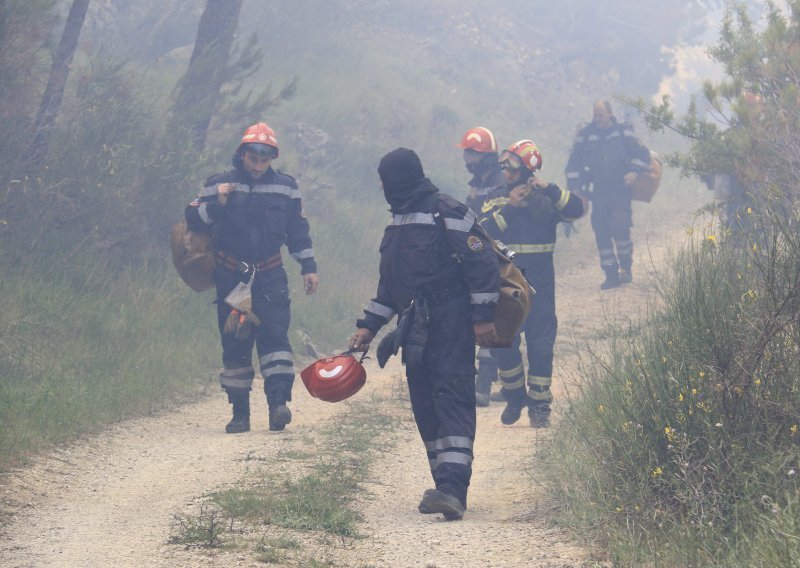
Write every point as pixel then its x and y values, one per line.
pixel 524 216
pixel 443 277
pixel 605 160
pixel 252 211
pixel 480 159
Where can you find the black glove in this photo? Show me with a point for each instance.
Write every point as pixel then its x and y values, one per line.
pixel 417 337
pixel 387 348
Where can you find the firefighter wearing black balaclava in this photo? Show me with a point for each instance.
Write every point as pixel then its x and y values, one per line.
pixel 605 160
pixel 252 211
pixel 524 216
pixel 480 159
pixel 442 279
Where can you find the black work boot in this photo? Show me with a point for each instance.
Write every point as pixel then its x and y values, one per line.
pixel 435 501
pixel 511 413
pixel 611 281
pixel 241 413
pixel 279 417
pixel 539 415
pixel 625 276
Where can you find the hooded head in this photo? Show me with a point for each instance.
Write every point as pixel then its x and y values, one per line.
pixel 402 177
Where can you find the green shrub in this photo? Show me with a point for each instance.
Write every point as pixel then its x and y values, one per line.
pixel 684 441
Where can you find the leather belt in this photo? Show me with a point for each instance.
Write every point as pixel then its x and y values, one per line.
pixel 233 263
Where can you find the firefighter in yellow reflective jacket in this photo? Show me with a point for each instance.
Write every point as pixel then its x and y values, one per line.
pixel 524 216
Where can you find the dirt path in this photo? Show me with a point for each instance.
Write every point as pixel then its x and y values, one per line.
pixel 109 500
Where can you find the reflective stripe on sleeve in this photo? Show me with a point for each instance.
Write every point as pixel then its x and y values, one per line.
pixel 413 219
pixel 531 249
pixel 564 198
pixel 500 220
pixel 463 225
pixel 484 298
pixel 380 310
pixel 201 210
pixel 303 254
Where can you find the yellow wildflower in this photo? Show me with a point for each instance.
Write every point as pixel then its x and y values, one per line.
pixel 793 429
pixel 657 472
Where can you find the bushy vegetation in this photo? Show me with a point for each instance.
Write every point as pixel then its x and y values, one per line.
pixel 683 448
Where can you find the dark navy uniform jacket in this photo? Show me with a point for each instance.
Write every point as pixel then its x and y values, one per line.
pixel 602 156
pixel 258 219
pixel 530 231
pixel 480 188
pixel 431 249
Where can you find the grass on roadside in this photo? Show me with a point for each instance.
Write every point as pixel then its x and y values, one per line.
pixel 300 496
pixel 78 354
pixel 682 448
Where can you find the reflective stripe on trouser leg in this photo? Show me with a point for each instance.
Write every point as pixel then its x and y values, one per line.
pixel 511 371
pixel 277 368
pixel 444 410
pixel 237 355
pixel 625 253
pixel 487 366
pixel 541 328
pixel 238 378
pixel 275 358
pixel 608 260
pixel 539 388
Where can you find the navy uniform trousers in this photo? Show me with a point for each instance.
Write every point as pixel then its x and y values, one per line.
pixel 442 392
pixel 270 292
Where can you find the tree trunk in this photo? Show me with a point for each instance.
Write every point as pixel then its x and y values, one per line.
pixel 54 93
pixel 199 94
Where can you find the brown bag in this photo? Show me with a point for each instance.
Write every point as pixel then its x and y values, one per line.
pixel 193 257
pixel 646 184
pixel 515 298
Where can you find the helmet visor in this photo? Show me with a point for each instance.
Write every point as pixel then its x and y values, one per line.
pixel 509 160
pixel 262 150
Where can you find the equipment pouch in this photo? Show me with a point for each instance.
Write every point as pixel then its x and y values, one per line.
pixel 240 298
pixel 417 335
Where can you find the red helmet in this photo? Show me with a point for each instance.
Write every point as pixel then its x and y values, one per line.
pixel 334 378
pixel 479 139
pixel 259 135
pixel 525 153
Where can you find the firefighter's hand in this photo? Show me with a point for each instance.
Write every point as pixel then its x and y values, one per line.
pixel 485 333
pixel 630 177
pixel 310 283
pixel 223 190
pixel 361 339
pixel 516 198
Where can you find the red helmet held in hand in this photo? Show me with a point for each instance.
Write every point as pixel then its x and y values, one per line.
pixel 334 378
pixel 259 139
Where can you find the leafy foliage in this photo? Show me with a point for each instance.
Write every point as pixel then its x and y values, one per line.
pixel 684 446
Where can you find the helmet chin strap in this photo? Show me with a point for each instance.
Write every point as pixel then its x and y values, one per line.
pixel 363 354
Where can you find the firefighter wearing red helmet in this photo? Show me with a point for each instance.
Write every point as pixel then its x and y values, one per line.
pixel 252 211
pixel 605 159
pixel 441 275
pixel 524 215
pixel 480 159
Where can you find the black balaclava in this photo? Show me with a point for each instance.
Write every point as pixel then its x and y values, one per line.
pixel 486 164
pixel 403 179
